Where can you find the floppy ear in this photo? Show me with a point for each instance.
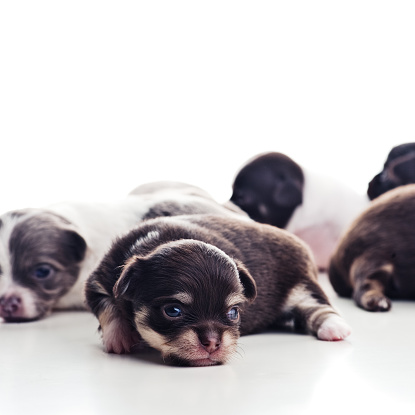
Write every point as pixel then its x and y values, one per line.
pixel 250 290
pixel 128 282
pixel 75 245
pixel 287 193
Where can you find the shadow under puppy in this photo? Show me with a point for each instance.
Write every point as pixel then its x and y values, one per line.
pixel 274 189
pixel 375 260
pixel 47 254
pixel 186 286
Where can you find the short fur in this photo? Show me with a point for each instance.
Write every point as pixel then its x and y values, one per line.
pixel 273 189
pixel 206 265
pixel 47 254
pixel 398 170
pixel 375 260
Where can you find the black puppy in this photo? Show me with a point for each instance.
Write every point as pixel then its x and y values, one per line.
pixel 273 189
pixel 375 260
pixel 186 286
pixel 399 169
pixel 269 188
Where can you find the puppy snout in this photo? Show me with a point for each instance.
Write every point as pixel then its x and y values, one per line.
pixel 10 306
pixel 210 341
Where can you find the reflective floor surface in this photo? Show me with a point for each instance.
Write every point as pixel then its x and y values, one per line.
pixel 57 366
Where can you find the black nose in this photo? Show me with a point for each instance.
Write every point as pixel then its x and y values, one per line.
pixel 210 341
pixel 10 306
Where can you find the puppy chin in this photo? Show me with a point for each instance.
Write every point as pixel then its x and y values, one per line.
pixel 185 348
pixel 21 305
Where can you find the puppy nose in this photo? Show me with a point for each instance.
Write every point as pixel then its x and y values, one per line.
pixel 9 306
pixel 210 342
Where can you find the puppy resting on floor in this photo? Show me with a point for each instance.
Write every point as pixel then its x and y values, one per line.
pixel 189 285
pixel 375 260
pixel 273 189
pixel 47 254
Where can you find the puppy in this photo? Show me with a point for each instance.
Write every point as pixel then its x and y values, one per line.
pixel 47 254
pixel 273 189
pixel 182 198
pixel 399 169
pixel 186 286
pixel 375 260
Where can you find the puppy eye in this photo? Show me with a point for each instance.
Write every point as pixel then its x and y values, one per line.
pixel 233 314
pixel 43 271
pixel 173 311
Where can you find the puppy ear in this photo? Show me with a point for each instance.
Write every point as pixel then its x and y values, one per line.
pixel 247 281
pixel 373 188
pixel 128 282
pixel 62 233
pixel 287 193
pixel 75 245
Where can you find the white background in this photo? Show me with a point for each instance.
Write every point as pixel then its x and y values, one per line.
pixel 97 97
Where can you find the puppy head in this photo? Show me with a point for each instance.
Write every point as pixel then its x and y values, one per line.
pixel 399 169
pixel 40 256
pixel 187 297
pixel 269 188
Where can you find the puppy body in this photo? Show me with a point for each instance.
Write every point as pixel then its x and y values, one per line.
pixel 179 284
pixel 375 259
pixel 273 189
pixel 184 198
pixel 47 254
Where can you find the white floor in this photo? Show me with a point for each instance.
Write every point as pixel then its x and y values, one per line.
pixel 57 366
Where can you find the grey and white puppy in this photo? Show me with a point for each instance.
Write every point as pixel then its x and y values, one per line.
pixel 47 254
pixel 375 260
pixel 189 285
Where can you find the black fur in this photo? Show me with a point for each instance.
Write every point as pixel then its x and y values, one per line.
pixel 398 170
pixel 269 188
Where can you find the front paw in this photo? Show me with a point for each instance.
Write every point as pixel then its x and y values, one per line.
pixel 375 302
pixel 333 328
pixel 119 337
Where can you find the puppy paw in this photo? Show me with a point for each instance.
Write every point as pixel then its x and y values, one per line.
pixel 334 328
pixel 375 302
pixel 119 337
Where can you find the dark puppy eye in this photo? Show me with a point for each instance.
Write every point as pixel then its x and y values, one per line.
pixel 233 314
pixel 43 271
pixel 172 311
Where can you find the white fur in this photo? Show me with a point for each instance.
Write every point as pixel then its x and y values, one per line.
pixel 99 224
pixel 328 209
pixel 333 328
pixel 6 280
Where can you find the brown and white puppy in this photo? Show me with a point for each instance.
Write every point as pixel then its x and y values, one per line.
pixel 399 169
pixel 47 254
pixel 375 260
pixel 274 189
pixel 186 286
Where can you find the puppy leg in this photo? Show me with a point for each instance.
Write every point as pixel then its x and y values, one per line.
pixel 370 277
pixel 311 308
pixel 118 333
